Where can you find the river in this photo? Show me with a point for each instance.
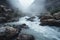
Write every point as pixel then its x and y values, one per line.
pixel 33 8
pixel 38 31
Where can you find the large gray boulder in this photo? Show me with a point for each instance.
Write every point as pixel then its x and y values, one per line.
pixel 25 37
pixel 8 32
pixel 53 20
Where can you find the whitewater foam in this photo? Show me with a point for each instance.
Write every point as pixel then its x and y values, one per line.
pixel 40 32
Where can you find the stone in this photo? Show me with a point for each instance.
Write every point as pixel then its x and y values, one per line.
pixel 31 19
pixel 11 31
pixel 46 17
pixel 48 21
pixel 57 15
pixel 24 26
pixel 25 37
pixel 53 20
pixel 8 32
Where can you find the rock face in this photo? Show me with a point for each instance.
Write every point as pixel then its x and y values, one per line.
pixel 24 26
pixel 6 14
pixel 11 31
pixel 20 26
pixel 57 15
pixel 51 20
pixel 53 5
pixel 25 37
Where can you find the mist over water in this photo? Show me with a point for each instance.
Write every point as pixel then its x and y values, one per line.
pixel 33 8
pixel 29 7
pixel 26 3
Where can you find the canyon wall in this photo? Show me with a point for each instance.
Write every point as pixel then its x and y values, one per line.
pixel 53 5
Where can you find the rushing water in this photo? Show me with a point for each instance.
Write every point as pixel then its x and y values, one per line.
pixel 38 31
pixel 33 8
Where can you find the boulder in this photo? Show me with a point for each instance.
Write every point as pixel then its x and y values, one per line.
pixel 25 37
pixel 57 15
pixel 8 32
pixel 24 26
pixel 53 20
pixel 48 22
pixel 46 17
pixel 31 19
pixel 18 26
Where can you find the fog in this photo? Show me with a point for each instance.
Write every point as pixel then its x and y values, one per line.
pixel 29 7
pixel 32 8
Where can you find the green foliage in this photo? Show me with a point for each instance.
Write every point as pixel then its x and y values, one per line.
pixel 53 10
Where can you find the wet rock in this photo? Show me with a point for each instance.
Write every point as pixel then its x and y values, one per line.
pixel 8 32
pixel 52 6
pixel 24 26
pixel 25 37
pixel 31 19
pixel 11 31
pixel 50 20
pixel 47 17
pixel 57 15
pixel 18 26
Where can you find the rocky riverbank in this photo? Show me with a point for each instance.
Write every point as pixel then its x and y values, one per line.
pixel 52 19
pixel 6 14
pixel 11 32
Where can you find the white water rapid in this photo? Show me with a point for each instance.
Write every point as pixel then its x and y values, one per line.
pixel 38 31
pixel 33 8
